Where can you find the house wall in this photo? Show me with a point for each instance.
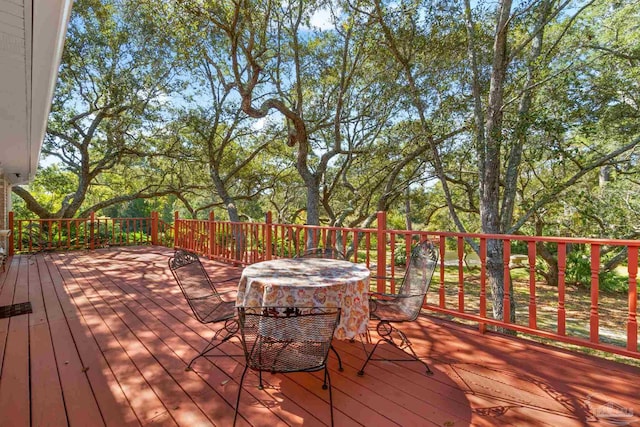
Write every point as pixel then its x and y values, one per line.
pixel 5 207
pixel 5 193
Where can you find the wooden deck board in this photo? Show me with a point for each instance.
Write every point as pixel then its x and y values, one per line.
pixel 123 325
pixel 110 337
pixel 47 405
pixel 112 402
pixel 8 281
pixel 141 396
pixel 14 384
pixel 129 296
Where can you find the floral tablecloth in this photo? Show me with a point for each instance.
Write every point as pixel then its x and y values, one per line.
pixel 310 282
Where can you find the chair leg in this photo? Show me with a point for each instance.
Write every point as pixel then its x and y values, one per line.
pixel 235 415
pixel 231 332
pixel 361 371
pixel 328 379
pixel 407 344
pixel 385 329
pixel 340 368
pixel 324 385
pixel 207 349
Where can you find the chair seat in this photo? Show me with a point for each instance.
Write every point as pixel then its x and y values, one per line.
pixel 389 310
pixel 283 356
pixel 212 311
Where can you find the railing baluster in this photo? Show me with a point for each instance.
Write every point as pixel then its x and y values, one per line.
pixel 177 226
pixel 381 252
pixel 533 320
pixel 92 236
pixel 506 281
pixel 20 235
pixel 392 248
pixel 632 323
pixel 594 333
pixel 356 244
pixel 268 239
pixel 562 265
pixel 367 251
pixel 30 236
pixel 482 327
pixel 442 290
pixel 460 274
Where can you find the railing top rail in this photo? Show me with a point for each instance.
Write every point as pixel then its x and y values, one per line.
pixel 81 218
pixel 452 234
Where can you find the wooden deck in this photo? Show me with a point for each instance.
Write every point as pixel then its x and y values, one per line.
pixel 110 336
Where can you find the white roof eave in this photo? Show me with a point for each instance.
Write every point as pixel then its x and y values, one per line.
pixel 33 52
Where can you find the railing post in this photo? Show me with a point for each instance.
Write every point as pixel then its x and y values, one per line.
pixel 381 268
pixel 92 231
pixel 212 220
pixel 10 237
pixel 176 229
pixel 632 323
pixel 154 228
pixel 267 236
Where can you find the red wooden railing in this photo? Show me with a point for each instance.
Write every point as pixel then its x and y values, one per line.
pixel 247 243
pixel 35 235
pixel 466 298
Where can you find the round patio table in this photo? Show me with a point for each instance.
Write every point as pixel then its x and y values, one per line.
pixel 310 282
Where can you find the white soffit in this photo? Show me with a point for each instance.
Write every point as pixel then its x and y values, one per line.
pixel 32 36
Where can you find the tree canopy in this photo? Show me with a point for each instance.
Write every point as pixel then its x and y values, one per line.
pixel 500 117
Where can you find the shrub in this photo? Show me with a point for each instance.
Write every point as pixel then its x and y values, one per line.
pixel 400 256
pixel 578 273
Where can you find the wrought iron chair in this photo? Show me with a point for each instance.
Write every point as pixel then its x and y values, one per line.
pixel 405 305
pixel 287 339
pixel 207 304
pixel 330 253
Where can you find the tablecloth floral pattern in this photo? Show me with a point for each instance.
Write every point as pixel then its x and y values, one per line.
pixel 310 282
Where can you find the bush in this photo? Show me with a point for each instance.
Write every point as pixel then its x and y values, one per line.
pixel 578 273
pixel 400 256
pixel 578 269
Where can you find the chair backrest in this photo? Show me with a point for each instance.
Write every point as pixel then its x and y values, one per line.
pixel 422 264
pixel 332 253
pixel 287 339
pixel 195 283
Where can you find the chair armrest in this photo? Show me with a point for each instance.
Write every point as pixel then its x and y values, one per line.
pixel 380 295
pixel 385 278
